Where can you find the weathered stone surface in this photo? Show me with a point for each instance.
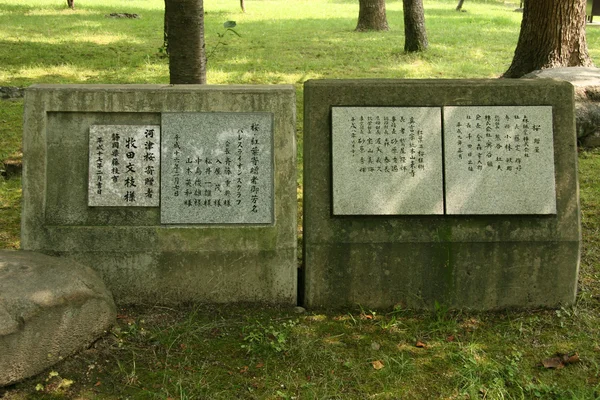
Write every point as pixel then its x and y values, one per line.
pixel 141 259
pixel 586 81
pixel 50 308
pixel 217 168
pixel 11 92
pixel 499 160
pixel 387 160
pixel 466 261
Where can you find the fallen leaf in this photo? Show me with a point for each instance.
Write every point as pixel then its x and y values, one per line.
pixel 260 365
pixel 420 344
pixel 450 338
pixel 98 383
pixel 377 364
pixel 375 346
pixel 553 363
pixel 571 358
pixel 560 360
pixel 244 370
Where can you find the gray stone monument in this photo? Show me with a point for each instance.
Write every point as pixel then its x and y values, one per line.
pixel 497 224
pixel 229 234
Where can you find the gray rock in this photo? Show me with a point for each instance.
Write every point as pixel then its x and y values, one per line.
pixel 11 92
pixel 587 99
pixel 50 308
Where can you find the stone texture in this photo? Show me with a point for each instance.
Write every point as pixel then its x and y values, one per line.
pixel 141 259
pixel 586 81
pixel 387 160
pixel 124 166
pixel 50 308
pixel 499 160
pixel 461 261
pixel 11 92
pixel 217 168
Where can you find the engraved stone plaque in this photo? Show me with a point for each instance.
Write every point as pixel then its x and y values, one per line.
pixel 499 160
pixel 124 164
pixel 387 160
pixel 217 168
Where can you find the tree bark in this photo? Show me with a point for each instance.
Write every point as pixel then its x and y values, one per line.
pixel 71 3
pixel 371 16
pixel 552 35
pixel 415 36
pixel 243 5
pixel 185 33
pixel 165 31
pixel 459 6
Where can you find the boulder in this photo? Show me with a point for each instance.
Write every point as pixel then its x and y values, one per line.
pixel 586 81
pixel 50 308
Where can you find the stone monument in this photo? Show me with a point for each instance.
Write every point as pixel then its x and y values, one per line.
pixel 462 193
pixel 173 193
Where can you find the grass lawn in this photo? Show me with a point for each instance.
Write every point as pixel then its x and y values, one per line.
pixel 246 351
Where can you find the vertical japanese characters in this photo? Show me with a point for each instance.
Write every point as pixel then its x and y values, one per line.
pixel 387 144
pixel 124 160
pixel 387 160
pixel 498 142
pixel 217 169
pixel 499 160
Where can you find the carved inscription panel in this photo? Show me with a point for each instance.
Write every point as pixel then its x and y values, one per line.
pixel 217 168
pixel 499 160
pixel 387 160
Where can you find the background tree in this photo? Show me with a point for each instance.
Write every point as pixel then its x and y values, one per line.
pixel 415 36
pixel 186 46
pixel 71 3
pixel 371 16
pixel 552 35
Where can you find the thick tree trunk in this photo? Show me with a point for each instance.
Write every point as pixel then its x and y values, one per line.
pixel 371 16
pixel 415 36
pixel 165 31
pixel 243 5
pixel 552 35
pixel 185 32
pixel 459 6
pixel 71 3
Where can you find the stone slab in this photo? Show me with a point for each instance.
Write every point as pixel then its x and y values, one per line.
pixel 387 160
pixel 463 261
pixel 50 308
pixel 217 168
pixel 142 259
pixel 499 160
pixel 124 166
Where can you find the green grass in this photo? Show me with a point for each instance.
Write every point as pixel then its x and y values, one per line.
pixel 241 351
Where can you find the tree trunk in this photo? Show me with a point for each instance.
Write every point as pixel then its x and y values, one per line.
pixel 71 3
pixel 165 31
pixel 459 6
pixel 415 36
pixel 243 5
pixel 371 16
pixel 185 32
pixel 552 35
